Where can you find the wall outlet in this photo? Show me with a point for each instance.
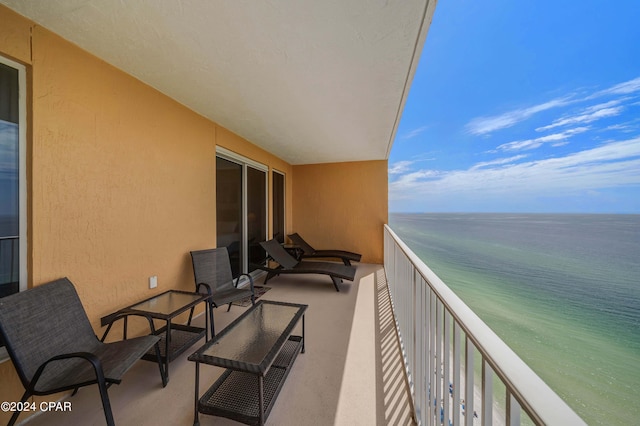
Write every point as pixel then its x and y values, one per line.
pixel 153 282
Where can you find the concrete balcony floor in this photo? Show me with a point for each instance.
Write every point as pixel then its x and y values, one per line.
pixel 350 374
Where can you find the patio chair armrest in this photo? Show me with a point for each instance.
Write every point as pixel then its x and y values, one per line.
pixel 250 281
pixel 206 287
pixel 109 320
pixel 88 356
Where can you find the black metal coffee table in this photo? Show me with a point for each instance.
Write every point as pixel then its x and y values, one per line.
pixel 258 350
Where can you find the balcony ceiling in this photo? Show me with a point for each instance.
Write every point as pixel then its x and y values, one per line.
pixel 309 81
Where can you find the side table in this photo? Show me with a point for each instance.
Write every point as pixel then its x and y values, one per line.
pixel 174 338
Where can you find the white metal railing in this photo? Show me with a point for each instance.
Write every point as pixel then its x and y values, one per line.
pixel 432 322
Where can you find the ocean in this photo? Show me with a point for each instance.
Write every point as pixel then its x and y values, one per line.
pixel 562 290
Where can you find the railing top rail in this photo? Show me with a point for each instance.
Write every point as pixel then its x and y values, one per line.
pixel 533 394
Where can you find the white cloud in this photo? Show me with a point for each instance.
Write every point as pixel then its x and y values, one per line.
pixel 528 144
pixel 417 177
pixel 594 108
pixel 400 167
pixel 499 161
pixel 627 127
pixel 611 165
pixel 588 115
pixel 415 132
pixel 485 125
pixel 625 88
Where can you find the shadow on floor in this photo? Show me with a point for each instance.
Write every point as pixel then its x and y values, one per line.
pixel 394 406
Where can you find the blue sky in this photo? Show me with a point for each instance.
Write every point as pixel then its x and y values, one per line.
pixel 523 107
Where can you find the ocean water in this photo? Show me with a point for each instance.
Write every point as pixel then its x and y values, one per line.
pixel 562 290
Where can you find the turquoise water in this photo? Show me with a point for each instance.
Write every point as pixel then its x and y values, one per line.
pixel 561 290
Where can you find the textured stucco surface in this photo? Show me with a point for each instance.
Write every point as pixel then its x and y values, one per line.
pixel 14 36
pixel 342 206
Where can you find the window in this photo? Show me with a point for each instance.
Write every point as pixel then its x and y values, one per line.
pixel 241 209
pixel 13 247
pixel 278 206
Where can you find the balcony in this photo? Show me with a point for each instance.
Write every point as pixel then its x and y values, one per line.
pixel 353 370
pixel 350 374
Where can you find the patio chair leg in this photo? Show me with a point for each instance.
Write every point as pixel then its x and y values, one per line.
pixel 16 413
pixel 106 405
pixel 163 374
pixel 335 282
pixel 269 276
pixel 229 308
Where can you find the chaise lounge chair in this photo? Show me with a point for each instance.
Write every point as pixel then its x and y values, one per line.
pixel 289 265
pixel 310 252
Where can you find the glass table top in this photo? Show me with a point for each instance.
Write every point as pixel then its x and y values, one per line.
pixel 253 337
pixel 167 303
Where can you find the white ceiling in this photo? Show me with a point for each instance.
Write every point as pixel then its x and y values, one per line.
pixel 311 81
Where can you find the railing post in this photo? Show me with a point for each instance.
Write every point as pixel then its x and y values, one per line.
pixel 432 355
pixel 468 382
pixel 487 394
pixel 446 380
pixel 456 374
pixel 439 362
pixel 513 410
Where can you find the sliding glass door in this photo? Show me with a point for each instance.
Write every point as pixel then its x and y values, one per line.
pixel 13 241
pixel 13 181
pixel 241 210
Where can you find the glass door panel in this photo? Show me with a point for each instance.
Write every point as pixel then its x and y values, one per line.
pixel 9 182
pixel 278 206
pixel 229 211
pixel 256 216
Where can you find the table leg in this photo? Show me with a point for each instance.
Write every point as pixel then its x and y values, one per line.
pixel 196 420
pixel 303 339
pixel 206 321
pixel 261 398
pixel 209 319
pixel 167 341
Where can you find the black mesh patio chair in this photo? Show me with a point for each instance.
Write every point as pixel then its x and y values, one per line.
pixel 309 252
pixel 290 265
pixel 212 273
pixel 54 348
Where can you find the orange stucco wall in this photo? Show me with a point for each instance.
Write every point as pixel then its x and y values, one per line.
pixel 342 206
pixel 14 36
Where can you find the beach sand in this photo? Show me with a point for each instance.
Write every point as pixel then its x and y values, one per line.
pixel 498 414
